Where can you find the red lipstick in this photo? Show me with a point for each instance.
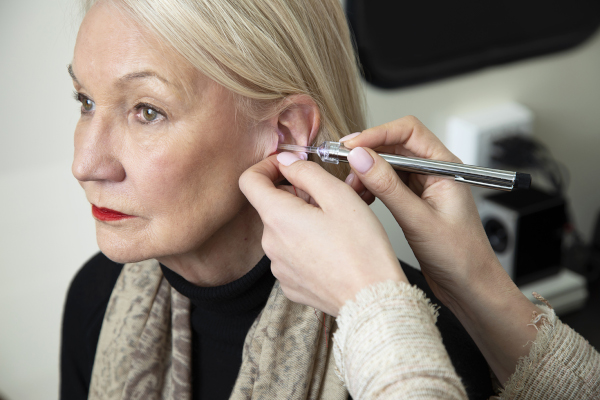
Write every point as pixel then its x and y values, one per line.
pixel 106 214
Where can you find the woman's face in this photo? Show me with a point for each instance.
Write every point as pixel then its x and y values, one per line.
pixel 156 140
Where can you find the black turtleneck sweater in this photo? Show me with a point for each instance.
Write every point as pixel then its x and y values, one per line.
pixel 220 319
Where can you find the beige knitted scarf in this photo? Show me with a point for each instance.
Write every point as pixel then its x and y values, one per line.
pixel 144 349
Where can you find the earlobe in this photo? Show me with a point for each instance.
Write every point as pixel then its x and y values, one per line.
pixel 299 122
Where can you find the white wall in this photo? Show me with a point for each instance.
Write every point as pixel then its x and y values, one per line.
pixel 46 231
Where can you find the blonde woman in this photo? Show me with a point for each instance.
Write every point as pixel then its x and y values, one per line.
pixel 178 98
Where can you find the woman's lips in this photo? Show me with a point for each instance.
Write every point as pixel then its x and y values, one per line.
pixel 106 214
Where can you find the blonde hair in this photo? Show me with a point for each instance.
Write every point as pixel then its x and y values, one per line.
pixel 264 51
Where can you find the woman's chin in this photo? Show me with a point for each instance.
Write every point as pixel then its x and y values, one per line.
pixel 122 250
pixel 122 256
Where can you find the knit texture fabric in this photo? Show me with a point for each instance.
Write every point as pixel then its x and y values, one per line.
pixel 561 365
pixel 144 347
pixel 388 346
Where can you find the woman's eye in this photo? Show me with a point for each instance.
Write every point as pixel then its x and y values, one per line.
pixel 149 114
pixel 87 105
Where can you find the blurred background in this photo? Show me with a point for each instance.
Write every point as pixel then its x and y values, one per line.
pixel 47 232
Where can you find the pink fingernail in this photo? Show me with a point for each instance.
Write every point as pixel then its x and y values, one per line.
pixel 287 158
pixel 303 156
pixel 350 178
pixel 350 136
pixel 360 160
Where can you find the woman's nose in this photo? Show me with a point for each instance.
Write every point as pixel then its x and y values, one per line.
pixel 96 156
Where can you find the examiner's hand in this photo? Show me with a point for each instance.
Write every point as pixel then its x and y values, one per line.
pixel 324 242
pixel 441 223
pixel 437 215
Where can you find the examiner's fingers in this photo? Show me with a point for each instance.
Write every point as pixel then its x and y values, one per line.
pixel 408 133
pixel 258 185
pixel 355 183
pixel 298 193
pixel 359 188
pixel 367 197
pixel 382 181
pixel 310 177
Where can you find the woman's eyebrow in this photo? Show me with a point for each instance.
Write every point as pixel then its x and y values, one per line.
pixel 70 69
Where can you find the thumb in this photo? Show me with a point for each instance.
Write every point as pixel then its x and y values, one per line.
pixel 383 182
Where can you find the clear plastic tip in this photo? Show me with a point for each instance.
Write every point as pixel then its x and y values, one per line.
pixel 328 152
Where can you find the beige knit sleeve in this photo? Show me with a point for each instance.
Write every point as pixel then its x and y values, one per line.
pixel 561 365
pixel 387 344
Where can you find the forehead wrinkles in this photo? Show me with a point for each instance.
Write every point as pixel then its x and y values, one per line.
pixel 112 50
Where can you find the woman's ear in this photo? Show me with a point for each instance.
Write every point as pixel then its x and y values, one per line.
pixel 299 121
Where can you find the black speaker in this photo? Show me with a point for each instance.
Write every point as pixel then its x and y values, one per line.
pixel 525 229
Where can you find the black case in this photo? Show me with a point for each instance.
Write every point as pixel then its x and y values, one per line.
pixel 402 43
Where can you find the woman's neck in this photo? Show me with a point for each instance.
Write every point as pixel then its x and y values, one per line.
pixel 227 255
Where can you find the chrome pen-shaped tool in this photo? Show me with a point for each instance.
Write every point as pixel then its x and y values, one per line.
pixel 334 152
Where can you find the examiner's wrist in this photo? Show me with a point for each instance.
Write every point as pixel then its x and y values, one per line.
pixel 394 273
pixel 478 285
pixel 497 316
